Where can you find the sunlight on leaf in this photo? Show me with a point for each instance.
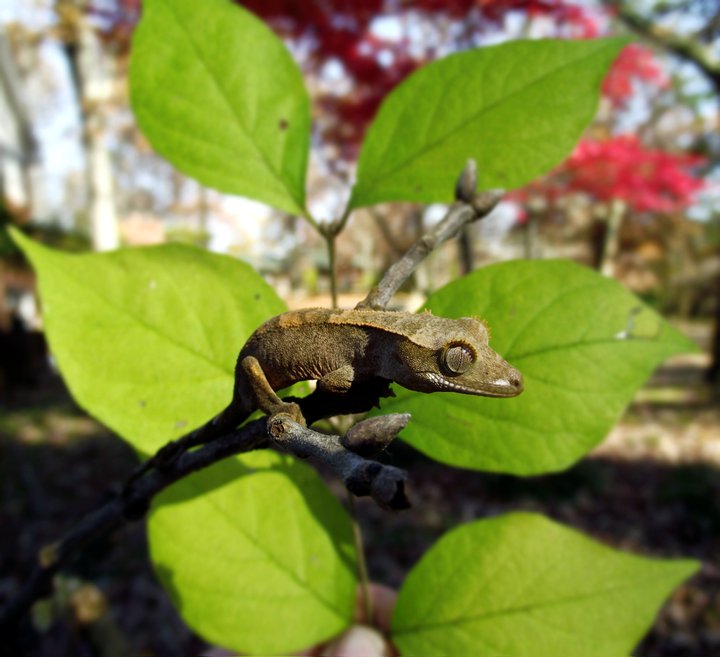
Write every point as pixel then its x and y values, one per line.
pixel 517 108
pixel 522 585
pixel 147 338
pixel 256 554
pixel 218 95
pixel 584 345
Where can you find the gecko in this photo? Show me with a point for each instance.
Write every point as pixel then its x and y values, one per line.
pixel 348 351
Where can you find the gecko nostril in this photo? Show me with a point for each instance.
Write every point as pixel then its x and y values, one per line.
pixel 516 381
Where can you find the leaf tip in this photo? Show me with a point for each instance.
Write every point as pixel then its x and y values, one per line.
pixel 24 242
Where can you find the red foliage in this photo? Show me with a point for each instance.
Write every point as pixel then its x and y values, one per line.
pixel 559 10
pixel 621 167
pixel 634 63
pixel 341 31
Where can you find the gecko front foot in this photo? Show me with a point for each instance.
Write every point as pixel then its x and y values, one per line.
pixel 289 408
pixel 265 397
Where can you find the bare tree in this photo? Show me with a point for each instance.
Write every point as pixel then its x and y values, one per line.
pixel 92 75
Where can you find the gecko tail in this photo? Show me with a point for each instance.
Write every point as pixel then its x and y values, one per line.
pixel 224 422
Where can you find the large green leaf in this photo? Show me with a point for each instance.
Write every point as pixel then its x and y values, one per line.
pixel 518 108
pixel 147 338
pixel 217 94
pixel 256 554
pixel 521 586
pixel 584 345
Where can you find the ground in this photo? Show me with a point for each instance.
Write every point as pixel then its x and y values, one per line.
pixel 653 487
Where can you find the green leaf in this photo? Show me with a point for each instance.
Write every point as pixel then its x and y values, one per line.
pixel 522 585
pixel 584 345
pixel 147 338
pixel 518 108
pixel 256 554
pixel 218 95
pixel 147 341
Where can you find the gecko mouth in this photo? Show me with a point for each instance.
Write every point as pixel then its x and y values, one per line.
pixel 510 387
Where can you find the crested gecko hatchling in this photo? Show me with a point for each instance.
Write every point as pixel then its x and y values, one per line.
pixel 344 349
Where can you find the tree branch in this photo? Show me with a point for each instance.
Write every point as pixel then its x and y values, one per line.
pixel 384 483
pixel 120 510
pixel 469 207
pixel 690 49
pixel 346 455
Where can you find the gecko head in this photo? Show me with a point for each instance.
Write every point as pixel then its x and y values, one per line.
pixel 456 357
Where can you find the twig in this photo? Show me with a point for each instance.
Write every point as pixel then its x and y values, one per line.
pixel 689 48
pixel 384 483
pixel 362 477
pixel 469 207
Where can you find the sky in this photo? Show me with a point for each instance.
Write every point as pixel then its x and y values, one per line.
pixel 55 121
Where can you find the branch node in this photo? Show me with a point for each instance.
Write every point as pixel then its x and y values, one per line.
pixel 467 183
pixel 484 202
pixel 470 206
pixel 384 483
pixel 370 437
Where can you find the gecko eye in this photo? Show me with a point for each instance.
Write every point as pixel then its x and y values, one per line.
pixel 457 358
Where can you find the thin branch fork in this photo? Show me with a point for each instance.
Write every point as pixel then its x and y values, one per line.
pixel 362 477
pixel 469 207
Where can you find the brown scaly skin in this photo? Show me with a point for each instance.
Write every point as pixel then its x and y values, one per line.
pixel 339 348
pixel 356 353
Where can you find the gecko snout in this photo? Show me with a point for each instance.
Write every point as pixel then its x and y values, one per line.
pixel 515 379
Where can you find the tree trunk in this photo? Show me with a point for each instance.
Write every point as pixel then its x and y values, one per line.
pixel 18 148
pixel 93 81
pixel 530 235
pixel 465 247
pixel 612 238
pixel 713 373
pixel 699 52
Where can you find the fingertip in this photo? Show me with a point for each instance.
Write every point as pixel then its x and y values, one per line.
pixel 358 641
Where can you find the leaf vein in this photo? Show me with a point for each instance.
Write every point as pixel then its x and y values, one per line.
pixel 474 117
pixel 263 156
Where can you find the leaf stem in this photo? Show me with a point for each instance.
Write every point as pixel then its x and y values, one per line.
pixel 365 599
pixel 313 222
pixel 330 233
pixel 340 224
pixel 332 265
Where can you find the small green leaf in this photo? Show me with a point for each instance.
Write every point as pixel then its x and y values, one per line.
pixel 584 345
pixel 518 108
pixel 521 585
pixel 218 95
pixel 147 338
pixel 256 554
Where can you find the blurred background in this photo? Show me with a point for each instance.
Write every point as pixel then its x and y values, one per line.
pixel 639 200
